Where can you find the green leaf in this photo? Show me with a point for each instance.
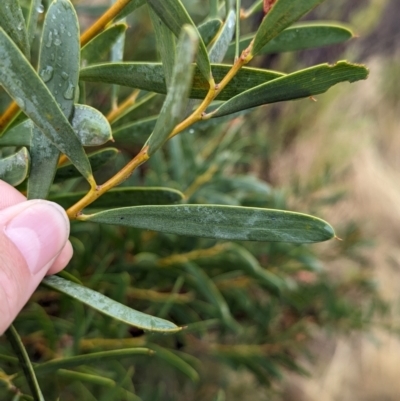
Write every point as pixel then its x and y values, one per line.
pixel 59 70
pixel 300 37
pixel 221 44
pixel 223 222
pixel 124 196
pixel 19 135
pixel 304 83
pixel 150 77
pixel 175 16
pixel 282 14
pixel 91 127
pixel 165 44
pixel 175 361
pixel 28 90
pixel 71 362
pixel 34 10
pixel 101 44
pixel 210 291
pixel 97 160
pixel 129 8
pixel 15 168
pixel 175 103
pixel 109 307
pixel 209 29
pixel 13 23
pixel 19 349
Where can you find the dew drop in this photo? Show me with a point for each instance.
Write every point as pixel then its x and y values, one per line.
pixel 20 26
pixel 40 8
pixel 57 41
pixel 49 39
pixel 64 75
pixel 69 33
pixel 69 93
pixel 191 131
pixel 47 73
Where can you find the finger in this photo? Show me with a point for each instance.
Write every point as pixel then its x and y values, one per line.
pixel 32 236
pixel 62 259
pixel 9 196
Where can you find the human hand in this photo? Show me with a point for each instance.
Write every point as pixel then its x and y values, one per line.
pixel 33 243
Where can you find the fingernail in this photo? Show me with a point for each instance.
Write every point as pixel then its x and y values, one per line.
pixel 39 231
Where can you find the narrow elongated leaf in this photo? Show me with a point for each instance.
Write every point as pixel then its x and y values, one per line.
pixel 13 23
pixel 300 37
pixel 28 90
pixel 97 160
pixel 109 307
pixel 165 45
pixel 19 135
pixel 224 222
pixel 209 29
pixel 210 291
pixel 174 360
pixel 59 70
pixel 26 365
pixel 304 83
pixel 150 77
pixel 129 8
pixel 175 103
pixel 175 16
pixel 85 359
pixel 15 168
pixel 35 9
pixel 91 127
pixel 221 44
pixel 125 196
pixel 281 15
pixel 101 44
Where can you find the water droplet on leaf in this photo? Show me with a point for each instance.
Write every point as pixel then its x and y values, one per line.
pixel 47 73
pixel 40 8
pixel 69 93
pixel 20 26
pixel 49 39
pixel 64 75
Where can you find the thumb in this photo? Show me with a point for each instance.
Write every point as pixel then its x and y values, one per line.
pixel 32 235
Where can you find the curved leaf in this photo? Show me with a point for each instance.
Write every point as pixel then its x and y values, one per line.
pixel 35 9
pixel 209 29
pixel 28 90
pixel 175 103
pixel 13 22
pixel 101 44
pixel 300 37
pixel 282 14
pixel 124 196
pixel 19 135
pixel 109 307
pixel 15 168
pixel 59 70
pixel 223 222
pixel 97 160
pixel 175 16
pixel 150 77
pixel 91 127
pixel 304 83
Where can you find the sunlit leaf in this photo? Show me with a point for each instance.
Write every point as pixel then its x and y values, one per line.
pixel 300 37
pixel 97 160
pixel 101 44
pixel 150 77
pixel 109 307
pixel 304 83
pixel 15 168
pixel 224 222
pixel 28 90
pixel 124 196
pixel 175 103
pixel 59 70
pixel 221 44
pixel 175 16
pixel 282 14
pixel 13 23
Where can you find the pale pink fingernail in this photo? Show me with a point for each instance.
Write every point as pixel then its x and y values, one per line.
pixel 39 231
